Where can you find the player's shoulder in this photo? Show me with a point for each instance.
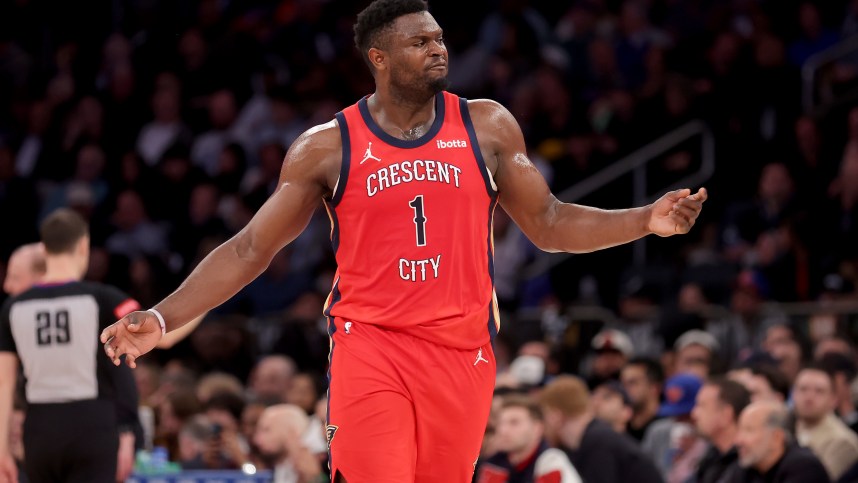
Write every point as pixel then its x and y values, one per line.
pixel 491 117
pixel 487 108
pixel 317 153
pixel 320 139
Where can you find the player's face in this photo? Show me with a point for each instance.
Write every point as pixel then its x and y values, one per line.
pixel 418 56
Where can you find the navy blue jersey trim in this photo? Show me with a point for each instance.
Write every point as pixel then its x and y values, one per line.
pixel 475 146
pixel 440 108
pixel 335 226
pixel 346 162
pixel 335 297
pixel 332 327
pixel 493 326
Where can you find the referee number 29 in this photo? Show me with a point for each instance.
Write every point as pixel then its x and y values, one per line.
pixel 419 220
pixel 52 328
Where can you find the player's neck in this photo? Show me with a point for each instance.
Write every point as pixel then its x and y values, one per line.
pixel 398 115
pixel 61 268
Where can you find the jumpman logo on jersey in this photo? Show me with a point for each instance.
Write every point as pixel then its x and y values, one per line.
pixel 480 357
pixel 368 154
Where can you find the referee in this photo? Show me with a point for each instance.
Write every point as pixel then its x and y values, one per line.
pixel 82 410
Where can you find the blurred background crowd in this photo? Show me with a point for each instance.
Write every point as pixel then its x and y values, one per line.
pixel 165 124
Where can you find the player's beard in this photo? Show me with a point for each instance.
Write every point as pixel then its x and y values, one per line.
pixel 416 89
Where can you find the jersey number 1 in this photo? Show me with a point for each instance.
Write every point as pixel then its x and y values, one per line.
pixel 419 220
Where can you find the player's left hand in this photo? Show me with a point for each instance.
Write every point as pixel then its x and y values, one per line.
pixel 134 335
pixel 676 211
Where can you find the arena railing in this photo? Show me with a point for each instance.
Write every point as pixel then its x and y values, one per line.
pixel 810 94
pixel 636 164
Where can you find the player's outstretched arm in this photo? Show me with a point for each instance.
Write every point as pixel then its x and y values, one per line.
pixel 309 171
pixel 565 227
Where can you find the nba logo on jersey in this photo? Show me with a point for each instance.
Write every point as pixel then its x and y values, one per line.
pixel 348 327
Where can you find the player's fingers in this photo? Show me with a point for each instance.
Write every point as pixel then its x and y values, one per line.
pixel 108 348
pixel 131 360
pixel 118 351
pixel 681 223
pixel 688 213
pixel 690 202
pixel 702 195
pixel 108 334
pixel 678 194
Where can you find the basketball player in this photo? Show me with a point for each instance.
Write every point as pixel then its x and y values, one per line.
pixel 412 310
pixel 82 411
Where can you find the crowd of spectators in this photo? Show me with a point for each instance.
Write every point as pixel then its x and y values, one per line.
pixel 165 124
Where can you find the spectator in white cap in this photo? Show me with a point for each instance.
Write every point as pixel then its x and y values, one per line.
pixel 612 348
pixel 695 352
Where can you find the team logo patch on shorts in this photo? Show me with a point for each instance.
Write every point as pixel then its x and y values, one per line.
pixel 330 431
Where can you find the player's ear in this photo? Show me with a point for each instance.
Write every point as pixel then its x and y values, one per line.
pixel 378 58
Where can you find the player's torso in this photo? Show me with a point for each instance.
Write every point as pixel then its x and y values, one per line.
pixel 411 227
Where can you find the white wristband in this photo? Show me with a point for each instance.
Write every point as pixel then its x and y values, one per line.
pixel 160 320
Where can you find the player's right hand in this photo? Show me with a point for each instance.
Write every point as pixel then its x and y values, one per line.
pixel 133 335
pixel 8 469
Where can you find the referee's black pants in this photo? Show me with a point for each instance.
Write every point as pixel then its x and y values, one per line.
pixel 72 442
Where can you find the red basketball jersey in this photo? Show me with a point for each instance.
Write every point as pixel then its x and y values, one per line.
pixel 412 229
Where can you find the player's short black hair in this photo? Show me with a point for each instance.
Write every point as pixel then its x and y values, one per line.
pixel 61 231
pixel 378 16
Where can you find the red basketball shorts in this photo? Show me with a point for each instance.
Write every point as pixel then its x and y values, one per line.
pixel 402 409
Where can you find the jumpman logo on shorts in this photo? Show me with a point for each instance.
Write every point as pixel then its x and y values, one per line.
pixel 480 357
pixel 368 154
